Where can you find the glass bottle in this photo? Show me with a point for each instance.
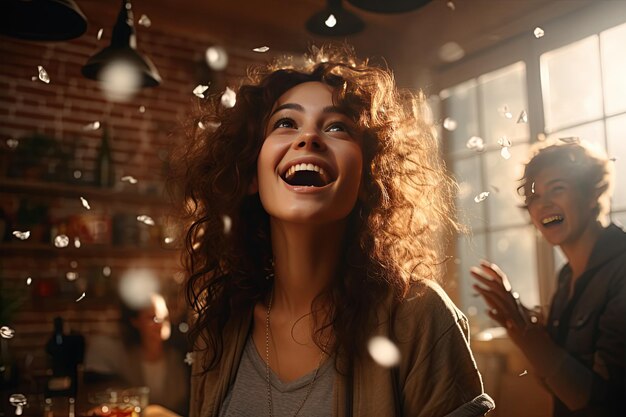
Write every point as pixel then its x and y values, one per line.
pixel 105 170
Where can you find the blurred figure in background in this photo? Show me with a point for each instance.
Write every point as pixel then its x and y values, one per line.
pixel 579 352
pixel 142 357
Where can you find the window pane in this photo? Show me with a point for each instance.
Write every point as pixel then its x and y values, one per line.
pixel 467 173
pixel 461 107
pixel 500 90
pixel 514 251
pixel 590 132
pixel 612 44
pixel 502 182
pixel 616 136
pixel 570 83
pixel 470 250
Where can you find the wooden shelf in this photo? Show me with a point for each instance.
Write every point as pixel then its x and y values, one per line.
pixel 57 190
pixel 85 251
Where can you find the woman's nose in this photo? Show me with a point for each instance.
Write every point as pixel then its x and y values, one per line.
pixel 309 140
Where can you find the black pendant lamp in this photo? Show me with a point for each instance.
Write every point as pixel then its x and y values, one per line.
pixel 388 6
pixel 41 20
pixel 123 49
pixel 334 20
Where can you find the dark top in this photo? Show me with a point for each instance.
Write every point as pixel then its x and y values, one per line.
pixel 591 327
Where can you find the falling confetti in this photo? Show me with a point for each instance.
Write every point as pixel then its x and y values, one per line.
pixel 505 142
pixel 77 242
pixel 106 271
pixel 613 159
pixel 6 332
pixel 92 126
pixel 570 139
pixel 189 358
pixel 261 49
pixel 12 143
pixel 71 276
pixel 201 125
pixel 43 75
pixel 85 203
pixel 145 219
pixel 61 241
pixel 29 281
pixel 227 224
pixel 21 235
pixel 81 297
pixel 199 90
pixel 506 112
pixel 523 117
pixel 331 21
pixel 451 5
pixel 383 351
pixel 496 189
pixel 524 373
pixel 142 109
pixel 538 32
pixel 481 197
pixel 100 32
pixel 74 264
pixel 505 153
pixel 183 327
pixel 129 179
pixel 145 21
pixel 168 240
pixel 475 143
pixel 18 401
pixel 532 188
pixel 229 98
pixel 449 124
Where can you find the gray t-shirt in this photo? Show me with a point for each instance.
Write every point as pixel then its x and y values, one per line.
pixel 247 397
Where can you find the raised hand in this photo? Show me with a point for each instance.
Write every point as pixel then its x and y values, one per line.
pixel 504 304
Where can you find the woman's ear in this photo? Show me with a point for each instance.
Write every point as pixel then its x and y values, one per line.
pixel 253 188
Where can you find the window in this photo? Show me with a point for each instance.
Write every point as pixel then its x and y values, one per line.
pixel 590 104
pixel 489 107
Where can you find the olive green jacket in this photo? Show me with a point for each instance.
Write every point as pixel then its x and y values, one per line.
pixel 436 377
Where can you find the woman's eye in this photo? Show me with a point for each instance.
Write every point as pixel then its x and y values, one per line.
pixel 558 189
pixel 286 123
pixel 337 127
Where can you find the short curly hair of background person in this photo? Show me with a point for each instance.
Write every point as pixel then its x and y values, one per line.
pixel 589 167
pixel 396 233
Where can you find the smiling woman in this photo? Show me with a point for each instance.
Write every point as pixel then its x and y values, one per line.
pixel 579 350
pixel 338 201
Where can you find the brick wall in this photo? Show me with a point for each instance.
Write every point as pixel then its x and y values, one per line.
pixel 140 140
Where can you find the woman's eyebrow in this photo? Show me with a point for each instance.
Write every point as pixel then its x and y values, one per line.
pixel 292 106
pixel 555 180
pixel 333 109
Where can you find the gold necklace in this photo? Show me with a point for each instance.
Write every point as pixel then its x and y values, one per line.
pixel 270 406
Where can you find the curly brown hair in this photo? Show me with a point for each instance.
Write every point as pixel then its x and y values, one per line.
pixel 395 234
pixel 591 170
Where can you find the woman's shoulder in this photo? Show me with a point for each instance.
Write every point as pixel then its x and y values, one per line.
pixel 427 312
pixel 426 297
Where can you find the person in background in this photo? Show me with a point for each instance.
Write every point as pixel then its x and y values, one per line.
pixel 317 206
pixel 141 357
pixel 579 352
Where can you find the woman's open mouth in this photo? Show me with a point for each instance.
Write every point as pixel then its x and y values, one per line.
pixel 307 175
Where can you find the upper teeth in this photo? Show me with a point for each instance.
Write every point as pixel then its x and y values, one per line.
pixel 551 219
pixel 304 167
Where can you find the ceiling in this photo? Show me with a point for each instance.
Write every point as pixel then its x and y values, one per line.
pixel 410 40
